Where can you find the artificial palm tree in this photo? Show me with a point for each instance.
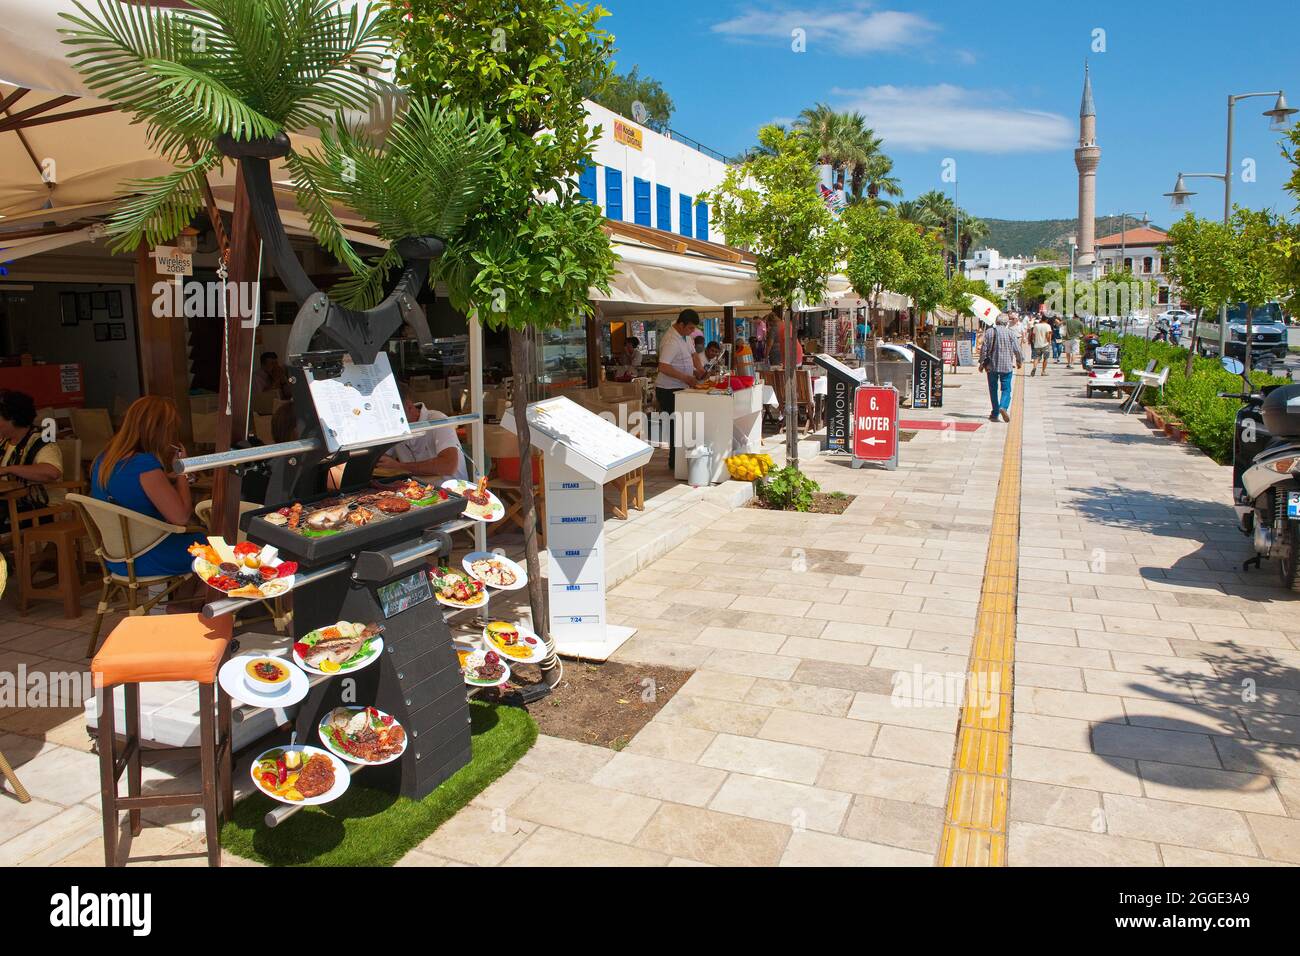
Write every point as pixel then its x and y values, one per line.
pixel 214 79
pixel 425 180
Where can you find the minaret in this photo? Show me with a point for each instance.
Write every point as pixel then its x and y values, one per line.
pixel 1086 158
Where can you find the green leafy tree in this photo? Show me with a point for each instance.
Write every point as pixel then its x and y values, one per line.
pixel 1199 262
pixel 530 255
pixel 925 278
pixel 1258 273
pixel 771 205
pixel 1038 286
pixel 236 70
pixel 621 94
pixel 875 241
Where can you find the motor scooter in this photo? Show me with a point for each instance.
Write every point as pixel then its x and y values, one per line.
pixel 1104 372
pixel 1266 472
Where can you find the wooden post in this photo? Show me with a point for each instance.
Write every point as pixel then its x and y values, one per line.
pixel 164 342
pixel 729 325
pixel 234 388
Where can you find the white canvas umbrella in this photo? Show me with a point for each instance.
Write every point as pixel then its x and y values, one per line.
pixel 984 310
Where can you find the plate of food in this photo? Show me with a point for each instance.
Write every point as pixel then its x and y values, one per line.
pixel 480 504
pixel 339 648
pixel 484 668
pixel 457 590
pixel 514 642
pixel 363 735
pixel 245 570
pixel 263 680
pixel 413 491
pixel 300 776
pixel 495 570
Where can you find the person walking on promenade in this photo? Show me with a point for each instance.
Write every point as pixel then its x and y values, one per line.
pixel 1041 338
pixel 1058 336
pixel 1000 356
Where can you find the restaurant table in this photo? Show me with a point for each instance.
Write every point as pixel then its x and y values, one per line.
pixel 731 424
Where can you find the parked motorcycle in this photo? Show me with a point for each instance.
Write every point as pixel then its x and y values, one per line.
pixel 1266 472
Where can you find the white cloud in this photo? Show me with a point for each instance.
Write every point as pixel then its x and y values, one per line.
pixel 855 28
pixel 953 117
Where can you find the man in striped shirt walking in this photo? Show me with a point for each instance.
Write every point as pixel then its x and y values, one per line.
pixel 1000 356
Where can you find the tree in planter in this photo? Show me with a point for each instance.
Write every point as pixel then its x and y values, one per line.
pixel 1257 270
pixel 223 73
pixel 770 204
pixel 1199 262
pixel 530 255
pixel 875 240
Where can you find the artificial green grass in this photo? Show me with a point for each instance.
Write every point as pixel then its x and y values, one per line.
pixel 367 827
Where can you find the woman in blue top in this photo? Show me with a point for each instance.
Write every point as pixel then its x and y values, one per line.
pixel 134 472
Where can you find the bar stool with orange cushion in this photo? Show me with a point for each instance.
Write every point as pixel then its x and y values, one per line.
pixel 141 650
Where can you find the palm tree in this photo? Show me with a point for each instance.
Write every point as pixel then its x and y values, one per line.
pixel 218 78
pixel 973 230
pixel 919 215
pixel 876 177
pixel 425 180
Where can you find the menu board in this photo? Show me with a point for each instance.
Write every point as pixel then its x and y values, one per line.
pixel 404 594
pixel 360 406
pixel 593 437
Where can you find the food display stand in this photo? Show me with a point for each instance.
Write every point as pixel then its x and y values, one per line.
pixel 730 423
pixel 363 556
pixel 583 452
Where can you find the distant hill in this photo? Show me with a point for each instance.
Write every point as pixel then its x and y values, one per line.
pixel 1022 237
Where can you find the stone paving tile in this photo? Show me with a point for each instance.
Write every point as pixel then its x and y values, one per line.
pixel 764 758
pixel 1198 827
pixel 822 849
pixel 780 801
pixel 564 759
pixel 671 742
pixel 895 823
pixel 1032 844
pixel 1212 788
pixel 477 836
pixel 1068 807
pixel 811 698
pixel 708 836
pixel 586 809
pixel 880 777
pixel 660 779
pixel 1279 838
pixel 551 847
pixel 817 730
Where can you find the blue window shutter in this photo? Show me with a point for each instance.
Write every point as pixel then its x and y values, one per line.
pixel 664 197
pixel 614 194
pixel 641 202
pixel 684 207
pixel 702 221
pixel 587 182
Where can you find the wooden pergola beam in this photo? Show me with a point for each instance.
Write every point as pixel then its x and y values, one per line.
pixel 13 98
pixel 651 237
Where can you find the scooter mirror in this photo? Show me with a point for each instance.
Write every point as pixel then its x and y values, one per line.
pixel 1233 365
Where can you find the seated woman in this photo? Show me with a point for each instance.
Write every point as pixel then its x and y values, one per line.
pixel 25 456
pixel 134 472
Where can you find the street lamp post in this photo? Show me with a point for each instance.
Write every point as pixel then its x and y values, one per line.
pixel 1279 114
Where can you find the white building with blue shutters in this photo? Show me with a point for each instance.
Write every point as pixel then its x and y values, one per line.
pixel 648 179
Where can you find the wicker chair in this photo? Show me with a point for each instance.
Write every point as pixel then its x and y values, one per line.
pixel 124 536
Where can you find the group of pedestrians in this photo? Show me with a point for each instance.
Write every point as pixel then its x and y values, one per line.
pixel 1005 345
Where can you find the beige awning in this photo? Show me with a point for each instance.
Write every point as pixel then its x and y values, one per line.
pixel 651 279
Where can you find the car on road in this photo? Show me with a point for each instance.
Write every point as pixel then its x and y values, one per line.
pixel 1268 333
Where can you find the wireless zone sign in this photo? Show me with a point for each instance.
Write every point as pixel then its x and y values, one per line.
pixel 875 426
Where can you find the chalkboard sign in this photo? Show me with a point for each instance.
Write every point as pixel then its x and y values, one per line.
pixel 404 594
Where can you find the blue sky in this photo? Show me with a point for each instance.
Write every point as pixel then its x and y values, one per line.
pixel 994 86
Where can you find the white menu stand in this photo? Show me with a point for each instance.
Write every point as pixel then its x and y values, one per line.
pixel 583 452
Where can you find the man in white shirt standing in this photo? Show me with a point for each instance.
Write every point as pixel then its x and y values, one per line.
pixel 1041 334
pixel 679 367
pixel 435 453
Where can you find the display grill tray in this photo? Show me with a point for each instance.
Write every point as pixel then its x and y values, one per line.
pixel 383 531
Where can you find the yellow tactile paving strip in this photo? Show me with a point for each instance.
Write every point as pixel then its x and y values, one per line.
pixel 975 821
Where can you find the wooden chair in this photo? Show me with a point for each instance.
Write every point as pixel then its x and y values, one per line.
pixel 805 403
pixel 123 536
pixel 503 447
pixel 23 523
pixel 5 769
pixel 66 536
